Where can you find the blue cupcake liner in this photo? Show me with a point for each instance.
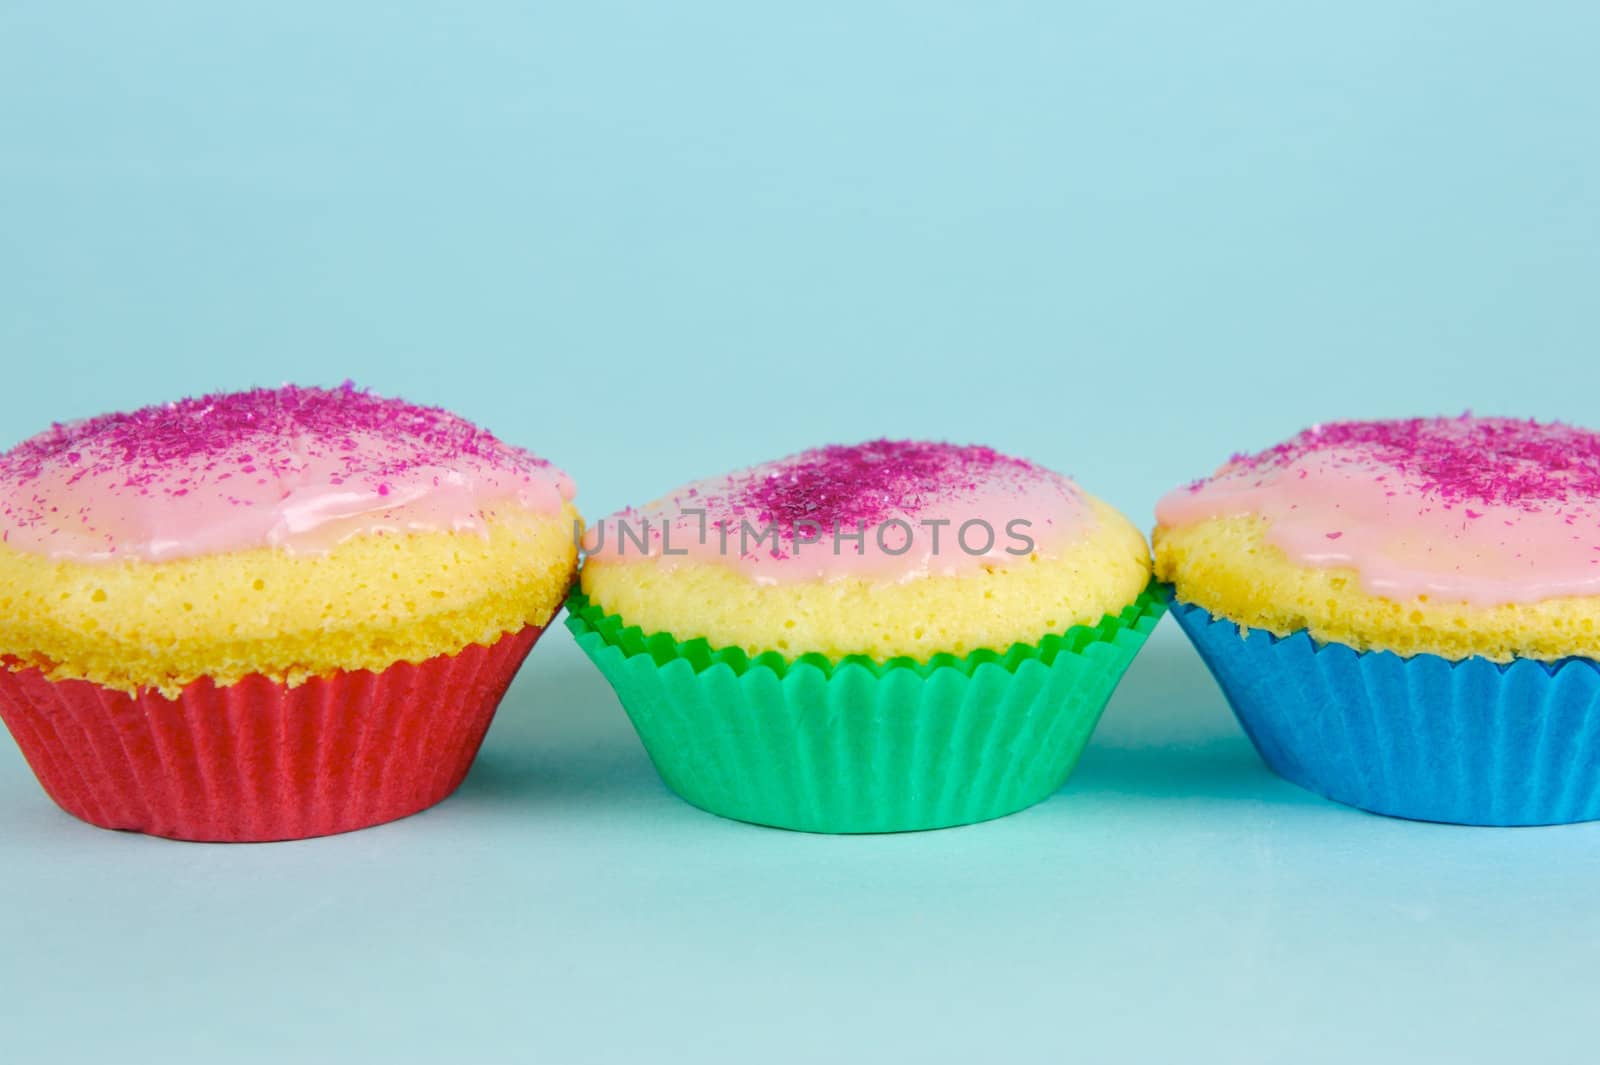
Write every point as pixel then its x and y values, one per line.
pixel 1470 742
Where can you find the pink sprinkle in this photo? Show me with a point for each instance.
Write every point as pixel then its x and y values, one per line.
pixel 864 483
pixel 1334 535
pixel 189 447
pixel 1496 461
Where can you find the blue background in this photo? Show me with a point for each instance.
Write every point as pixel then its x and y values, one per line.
pixel 657 241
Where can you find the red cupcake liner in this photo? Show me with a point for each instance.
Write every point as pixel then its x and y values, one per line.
pixel 258 760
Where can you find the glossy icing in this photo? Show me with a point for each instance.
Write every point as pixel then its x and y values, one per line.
pixel 909 501
pixel 294 468
pixel 1476 510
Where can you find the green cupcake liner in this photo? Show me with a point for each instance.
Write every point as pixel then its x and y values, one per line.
pixel 857 745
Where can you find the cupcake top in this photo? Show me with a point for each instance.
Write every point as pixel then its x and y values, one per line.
pixel 890 510
pixel 296 468
pixel 886 549
pixel 1475 510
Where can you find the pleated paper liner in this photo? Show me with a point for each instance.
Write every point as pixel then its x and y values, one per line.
pixel 1469 742
pixel 855 745
pixel 258 760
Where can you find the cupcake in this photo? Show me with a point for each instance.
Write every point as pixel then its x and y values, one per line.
pixel 269 614
pixel 1405 615
pixel 877 638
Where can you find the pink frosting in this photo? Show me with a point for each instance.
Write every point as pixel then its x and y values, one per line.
pixel 920 509
pixel 1475 510
pixel 295 468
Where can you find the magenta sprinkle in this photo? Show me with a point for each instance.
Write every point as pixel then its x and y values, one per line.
pixel 1495 461
pixel 846 486
pixel 279 422
pixel 174 448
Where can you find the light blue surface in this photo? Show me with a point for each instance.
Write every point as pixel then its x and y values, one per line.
pixel 657 241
